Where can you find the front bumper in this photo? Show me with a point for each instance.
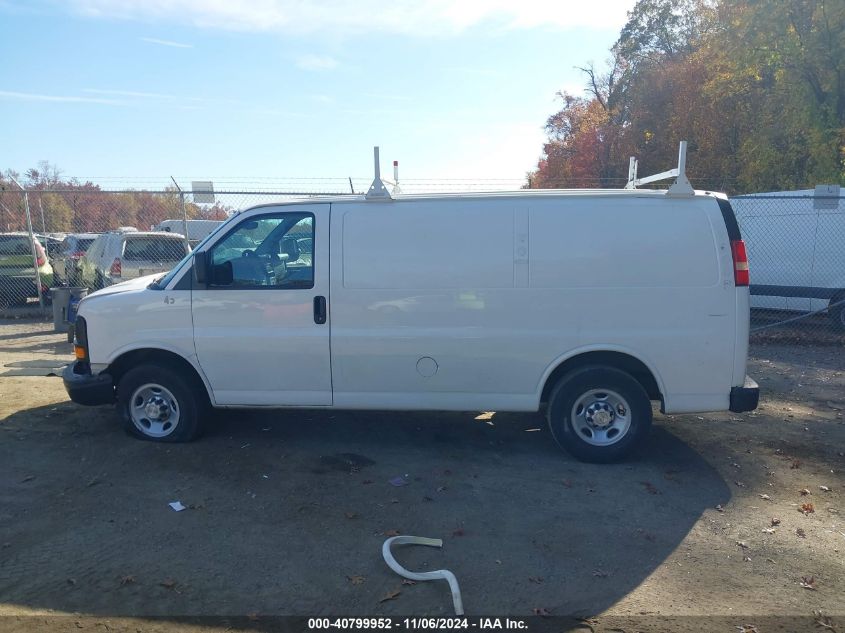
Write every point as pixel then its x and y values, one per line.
pixel 85 388
pixel 745 398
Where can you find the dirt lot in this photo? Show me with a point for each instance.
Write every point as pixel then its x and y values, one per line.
pixel 287 511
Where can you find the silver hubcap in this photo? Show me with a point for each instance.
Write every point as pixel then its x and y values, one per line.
pixel 154 410
pixel 601 417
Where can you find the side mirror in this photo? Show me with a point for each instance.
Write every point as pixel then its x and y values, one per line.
pixel 201 267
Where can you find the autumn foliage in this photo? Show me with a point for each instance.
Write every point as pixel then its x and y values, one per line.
pixel 73 206
pixel 757 88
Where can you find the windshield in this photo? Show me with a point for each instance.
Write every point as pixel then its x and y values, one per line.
pixel 162 282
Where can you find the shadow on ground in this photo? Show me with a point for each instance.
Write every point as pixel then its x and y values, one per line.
pixel 287 512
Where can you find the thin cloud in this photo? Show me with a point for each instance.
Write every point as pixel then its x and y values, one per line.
pixel 316 62
pixel 30 96
pixel 407 17
pixel 132 93
pixel 172 44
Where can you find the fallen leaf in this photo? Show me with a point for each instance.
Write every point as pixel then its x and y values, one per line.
pixel 742 544
pixel 796 463
pixel 391 533
pixel 407 581
pixel 739 484
pixel 27 478
pixel 719 508
pixel 804 492
pixel 824 488
pixel 775 521
pixel 168 584
pixel 391 595
pixel 536 579
pixel 746 559
pixel 541 611
pixel 808 582
pixel 822 621
pixel 127 580
pixel 650 488
pixel 427 498
pixel 71 581
pixel 356 580
pixel 441 488
pixel 800 532
pixel 807 508
pixel 598 573
pixel 766 497
pixel 768 530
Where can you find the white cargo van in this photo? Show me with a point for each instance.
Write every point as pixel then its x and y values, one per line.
pixel 794 241
pixel 590 303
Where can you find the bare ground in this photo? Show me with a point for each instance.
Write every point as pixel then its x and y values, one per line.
pixel 287 511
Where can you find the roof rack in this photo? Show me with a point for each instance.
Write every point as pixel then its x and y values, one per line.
pixel 377 190
pixel 681 186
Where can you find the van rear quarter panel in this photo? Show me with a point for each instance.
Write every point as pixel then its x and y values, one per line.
pixel 499 291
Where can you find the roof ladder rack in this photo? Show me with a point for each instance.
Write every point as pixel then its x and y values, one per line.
pixel 377 191
pixel 681 186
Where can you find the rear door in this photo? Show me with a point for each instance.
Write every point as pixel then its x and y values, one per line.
pixel 150 254
pixel 15 256
pixel 261 324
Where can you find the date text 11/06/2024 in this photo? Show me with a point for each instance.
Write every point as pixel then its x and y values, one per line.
pixel 411 624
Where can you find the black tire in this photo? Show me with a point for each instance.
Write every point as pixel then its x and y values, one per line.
pixel 837 313
pixel 189 401
pixel 577 384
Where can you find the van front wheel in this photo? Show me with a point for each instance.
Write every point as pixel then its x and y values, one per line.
pixel 599 414
pixel 157 404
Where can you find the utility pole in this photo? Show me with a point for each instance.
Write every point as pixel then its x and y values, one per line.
pixel 32 240
pixel 184 214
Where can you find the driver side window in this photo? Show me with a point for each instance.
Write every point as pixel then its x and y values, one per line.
pixel 263 253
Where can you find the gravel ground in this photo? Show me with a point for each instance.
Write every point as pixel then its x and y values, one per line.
pixel 287 510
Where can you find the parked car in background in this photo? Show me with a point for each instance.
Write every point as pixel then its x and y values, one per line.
pixel 128 253
pixel 198 230
pixel 65 258
pixel 17 270
pixel 794 243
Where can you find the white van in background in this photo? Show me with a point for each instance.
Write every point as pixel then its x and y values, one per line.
pixel 796 244
pixel 198 230
pixel 588 303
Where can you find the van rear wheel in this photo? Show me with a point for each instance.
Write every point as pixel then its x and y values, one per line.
pixel 599 414
pixel 159 405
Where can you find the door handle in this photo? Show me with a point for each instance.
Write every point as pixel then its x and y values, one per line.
pixel 319 310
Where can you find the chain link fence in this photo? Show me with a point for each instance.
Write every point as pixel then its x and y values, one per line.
pixel 796 252
pixel 84 237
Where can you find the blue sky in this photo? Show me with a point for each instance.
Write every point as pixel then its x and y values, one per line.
pixel 132 91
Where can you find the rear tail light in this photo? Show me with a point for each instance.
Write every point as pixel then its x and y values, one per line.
pixel 77 255
pixel 116 266
pixel 741 275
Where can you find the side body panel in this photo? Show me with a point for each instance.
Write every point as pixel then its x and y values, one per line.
pixel 450 304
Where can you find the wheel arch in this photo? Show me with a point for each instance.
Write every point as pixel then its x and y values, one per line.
pixel 624 360
pixel 152 355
